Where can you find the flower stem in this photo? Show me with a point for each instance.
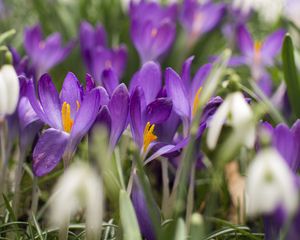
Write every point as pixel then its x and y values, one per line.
pixel 18 178
pixel 190 197
pixel 35 196
pixel 165 179
pixel 4 159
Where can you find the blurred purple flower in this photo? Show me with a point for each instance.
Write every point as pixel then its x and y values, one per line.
pixel 44 53
pixel 152 29
pixel 69 114
pixel 200 18
pixel 102 63
pixel 257 54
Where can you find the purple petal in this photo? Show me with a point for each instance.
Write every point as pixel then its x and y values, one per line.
pixel 150 80
pixel 50 101
pixel 89 83
pixel 32 38
pixel 26 114
pixel 186 72
pixel 48 151
pixel 272 46
pixel 103 119
pixel 104 98
pixel 118 107
pixel 85 116
pixel 137 123
pixel 110 80
pixel 245 41
pixel 71 92
pixel 176 91
pixel 159 110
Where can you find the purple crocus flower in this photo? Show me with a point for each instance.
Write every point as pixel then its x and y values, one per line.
pixel 102 63
pixel 184 92
pixel 69 114
pixel 152 28
pixel 200 18
pixel 257 54
pixel 44 53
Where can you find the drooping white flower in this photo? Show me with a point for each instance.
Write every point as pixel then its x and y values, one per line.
pixel 291 11
pixel 79 187
pixel 9 90
pixel 270 184
pixel 236 112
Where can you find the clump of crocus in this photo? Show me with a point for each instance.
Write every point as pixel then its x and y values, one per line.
pixel 69 114
pixel 44 53
pixel 152 28
pixel 101 62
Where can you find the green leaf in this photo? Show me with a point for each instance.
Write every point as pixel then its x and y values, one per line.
pixel 291 74
pixel 128 218
pixel 6 35
pixel 9 208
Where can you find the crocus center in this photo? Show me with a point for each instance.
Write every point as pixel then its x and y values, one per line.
pixel 196 101
pixel 197 23
pixel 257 50
pixel 67 121
pixel 41 44
pixel 154 32
pixel 149 136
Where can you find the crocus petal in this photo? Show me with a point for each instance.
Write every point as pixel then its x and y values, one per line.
pixel 150 80
pixel 272 46
pixel 71 92
pixel 110 80
pixel 159 110
pixel 26 113
pixel 85 116
pixel 103 119
pixel 177 93
pixel 186 72
pixel 245 41
pixel 163 150
pixel 137 123
pixel 118 107
pixel 32 38
pixel 48 151
pixel 104 98
pixel 50 101
pixel 89 83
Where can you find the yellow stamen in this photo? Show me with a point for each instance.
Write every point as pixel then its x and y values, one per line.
pixel 196 101
pixel 149 137
pixel 154 32
pixel 257 51
pixel 67 121
pixel 77 105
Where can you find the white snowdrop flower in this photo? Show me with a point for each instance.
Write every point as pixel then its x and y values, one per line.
pixel 245 6
pixel 270 183
pixel 236 112
pixel 79 187
pixel 9 90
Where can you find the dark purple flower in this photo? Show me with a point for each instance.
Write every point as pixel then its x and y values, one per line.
pixel 98 57
pixel 44 53
pixel 152 29
pixel 200 18
pixel 69 114
pixel 257 54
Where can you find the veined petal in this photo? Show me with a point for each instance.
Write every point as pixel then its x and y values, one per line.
pixel 85 116
pixel 50 101
pixel 159 110
pixel 199 79
pixel 71 92
pixel 150 80
pixel 119 108
pixel 175 90
pixel 48 151
pixel 186 72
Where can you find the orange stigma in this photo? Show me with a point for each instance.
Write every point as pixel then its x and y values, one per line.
pixel 154 32
pixel 196 101
pixel 149 137
pixel 257 50
pixel 77 105
pixel 67 121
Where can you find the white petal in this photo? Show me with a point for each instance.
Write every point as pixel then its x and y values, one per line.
pixel 11 80
pixel 270 183
pixel 3 97
pixel 216 123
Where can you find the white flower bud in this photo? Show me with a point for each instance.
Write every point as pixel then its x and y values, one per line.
pixel 9 90
pixel 79 187
pixel 238 113
pixel 270 184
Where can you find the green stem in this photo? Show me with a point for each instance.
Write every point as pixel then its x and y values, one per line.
pixel 4 160
pixel 190 197
pixel 35 197
pixel 165 179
